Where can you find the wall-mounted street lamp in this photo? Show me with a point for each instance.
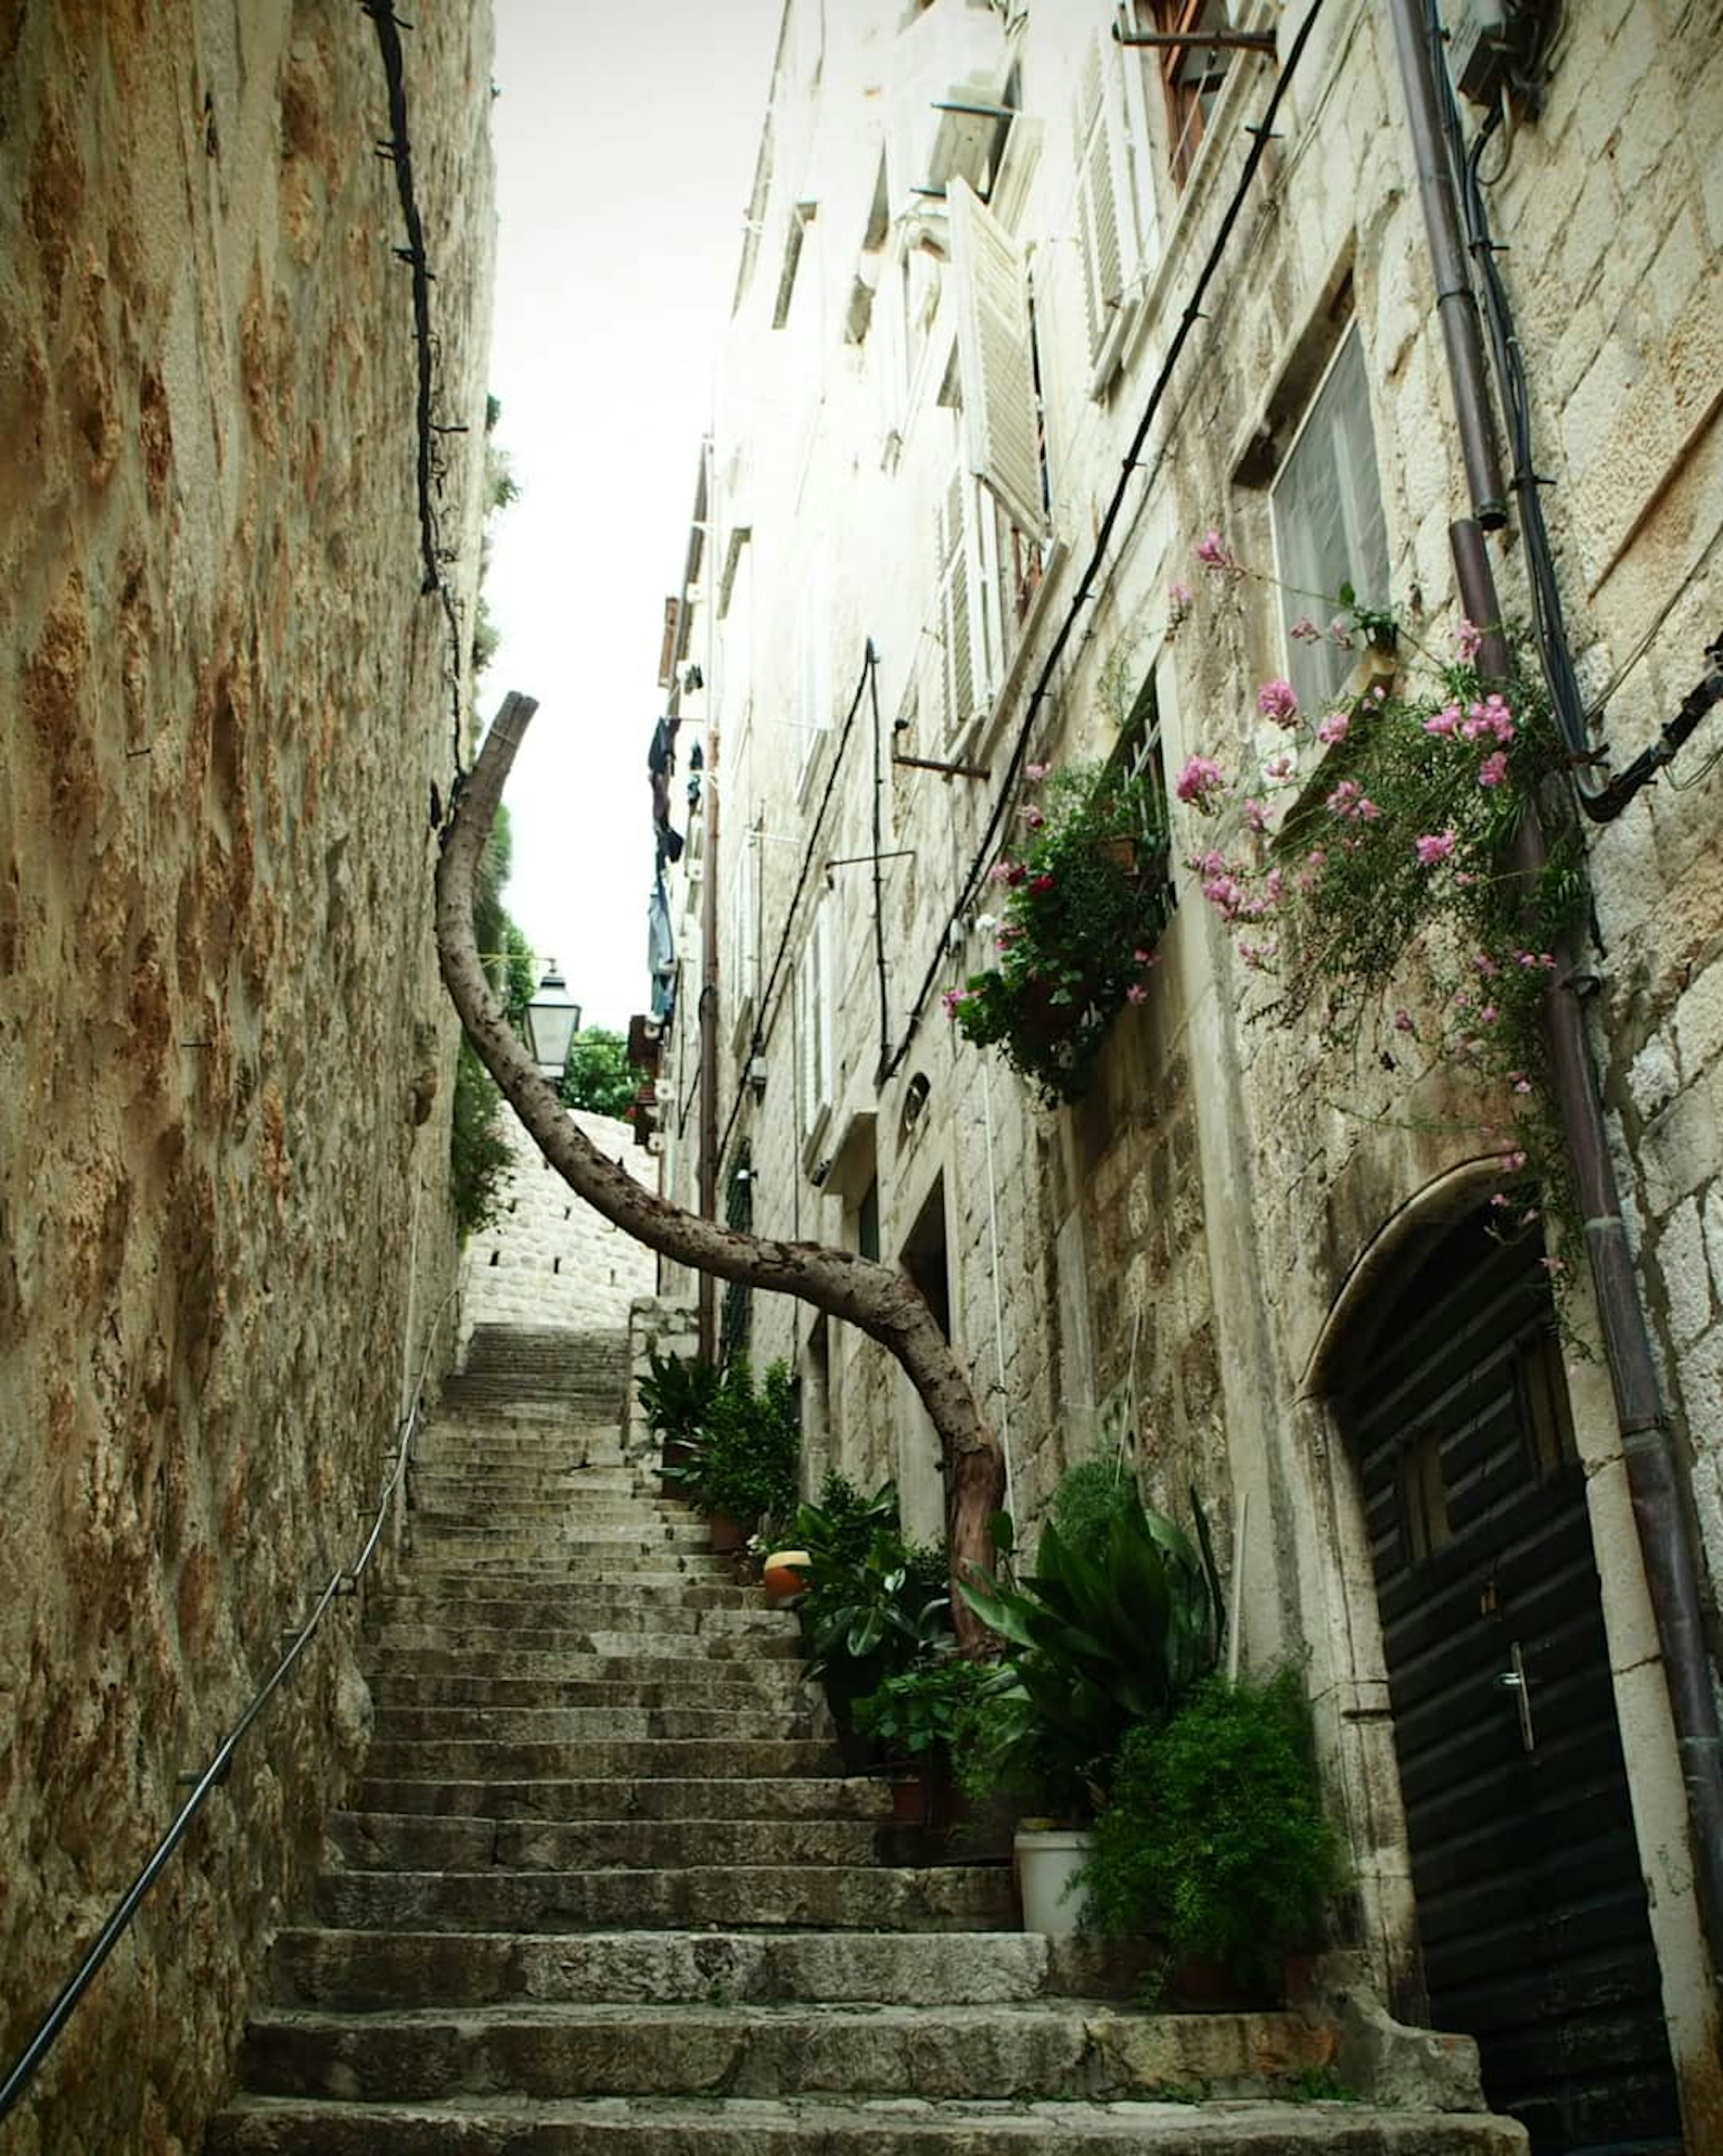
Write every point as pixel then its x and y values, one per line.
pixel 552 1021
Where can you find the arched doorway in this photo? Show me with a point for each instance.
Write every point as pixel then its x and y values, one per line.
pixel 1530 1903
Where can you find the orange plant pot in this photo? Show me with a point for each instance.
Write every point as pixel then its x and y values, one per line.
pixel 785 1574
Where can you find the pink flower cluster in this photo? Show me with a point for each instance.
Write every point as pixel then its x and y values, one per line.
pixel 1199 781
pixel 1276 700
pixel 1352 804
pixel 1435 846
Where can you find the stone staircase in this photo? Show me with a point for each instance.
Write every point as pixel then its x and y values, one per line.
pixel 606 1887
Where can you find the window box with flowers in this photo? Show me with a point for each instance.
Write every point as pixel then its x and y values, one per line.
pixel 1083 903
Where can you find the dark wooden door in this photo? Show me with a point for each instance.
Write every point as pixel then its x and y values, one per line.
pixel 1531 1909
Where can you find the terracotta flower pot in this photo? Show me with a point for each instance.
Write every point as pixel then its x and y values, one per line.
pixel 728 1535
pixel 785 1575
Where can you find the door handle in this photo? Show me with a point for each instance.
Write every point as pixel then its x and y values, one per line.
pixel 1514 1680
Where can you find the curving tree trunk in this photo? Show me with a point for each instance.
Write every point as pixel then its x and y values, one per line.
pixel 884 1303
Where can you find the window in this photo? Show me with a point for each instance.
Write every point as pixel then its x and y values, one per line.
pixel 1191 75
pixel 736 1325
pixel 741 926
pixel 1139 751
pixel 1329 527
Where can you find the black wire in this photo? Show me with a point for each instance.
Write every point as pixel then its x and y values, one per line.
pixel 1549 626
pixel 1260 135
pixel 398 150
pixel 762 1023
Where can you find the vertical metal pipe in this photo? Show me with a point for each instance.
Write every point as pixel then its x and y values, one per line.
pixel 1456 303
pixel 879 869
pixel 1662 1516
pixel 708 1290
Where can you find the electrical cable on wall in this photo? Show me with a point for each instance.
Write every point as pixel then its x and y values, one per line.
pixel 431 469
pixel 1261 134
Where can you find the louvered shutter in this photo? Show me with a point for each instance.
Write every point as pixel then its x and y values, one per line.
pixel 956 614
pixel 999 417
pixel 1106 225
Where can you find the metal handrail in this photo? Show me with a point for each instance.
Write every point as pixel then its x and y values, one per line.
pixel 343 1581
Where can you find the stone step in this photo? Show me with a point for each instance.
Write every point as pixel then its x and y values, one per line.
pixel 560 1532
pixel 281 2126
pixel 719 1636
pixel 729 1757
pixel 411 1841
pixel 540 1493
pixel 504 1442
pixel 584 1665
pixel 359 1969
pixel 667 1797
pixel 949 1897
pixel 509 1727
pixel 620 1604
pixel 1089 2051
pixel 777 1688
pixel 436 1567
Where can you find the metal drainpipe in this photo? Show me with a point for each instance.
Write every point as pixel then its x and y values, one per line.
pixel 1654 1483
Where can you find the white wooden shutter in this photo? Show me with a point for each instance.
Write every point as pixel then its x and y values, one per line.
pixel 955 610
pixel 816 1014
pixel 1106 223
pixel 999 418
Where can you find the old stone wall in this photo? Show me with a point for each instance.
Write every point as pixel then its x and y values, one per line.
pixel 225 1241
pixel 548 1259
pixel 1161 1266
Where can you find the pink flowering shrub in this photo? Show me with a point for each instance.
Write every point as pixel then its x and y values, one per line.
pixel 1083 909
pixel 1383 828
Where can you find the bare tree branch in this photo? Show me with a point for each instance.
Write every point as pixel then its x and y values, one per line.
pixel 882 1302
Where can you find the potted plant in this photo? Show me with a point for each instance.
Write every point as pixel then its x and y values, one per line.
pixel 1214 1839
pixel 913 1717
pixel 1085 901
pixel 875 1604
pixel 1120 1618
pixel 676 1396
pixel 741 1467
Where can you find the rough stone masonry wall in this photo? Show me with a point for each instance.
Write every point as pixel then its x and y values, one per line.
pixel 548 1258
pixel 222 1049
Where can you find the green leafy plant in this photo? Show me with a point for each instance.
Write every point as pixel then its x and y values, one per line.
pixel 478 1156
pixel 676 1396
pixel 1083 908
pixel 916 1713
pixel 1089 1497
pixel 743 1452
pixel 1102 1639
pixel 1214 1838
pixel 876 1604
pixel 598 1075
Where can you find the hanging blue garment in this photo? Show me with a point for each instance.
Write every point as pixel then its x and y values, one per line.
pixel 660 950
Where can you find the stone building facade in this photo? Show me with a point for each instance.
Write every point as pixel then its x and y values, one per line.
pixel 547 1259
pixel 1022 311
pixel 226 1243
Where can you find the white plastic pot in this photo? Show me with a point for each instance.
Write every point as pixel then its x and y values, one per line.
pixel 1048 1862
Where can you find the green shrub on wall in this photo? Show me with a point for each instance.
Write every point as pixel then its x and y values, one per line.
pixel 478 1156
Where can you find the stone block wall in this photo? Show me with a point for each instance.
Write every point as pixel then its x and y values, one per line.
pixel 548 1259
pixel 225 1240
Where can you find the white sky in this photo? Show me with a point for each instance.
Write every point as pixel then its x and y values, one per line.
pixel 625 139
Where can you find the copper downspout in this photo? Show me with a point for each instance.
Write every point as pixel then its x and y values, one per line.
pixel 1660 1502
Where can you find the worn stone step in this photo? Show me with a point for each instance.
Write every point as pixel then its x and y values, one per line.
pixel 311 1966
pixel 562 1440
pixel 410 1841
pixel 507 1726
pixel 777 1688
pixel 705 1635
pixel 488 2126
pixel 478 1598
pixel 539 1496
pixel 481 1671
pixel 570 1533
pixel 828 1897
pixel 467 1759
pixel 668 1797
pixel 601 1568
pixel 1089 2051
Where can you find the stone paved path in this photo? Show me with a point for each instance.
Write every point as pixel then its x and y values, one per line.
pixel 606 1888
